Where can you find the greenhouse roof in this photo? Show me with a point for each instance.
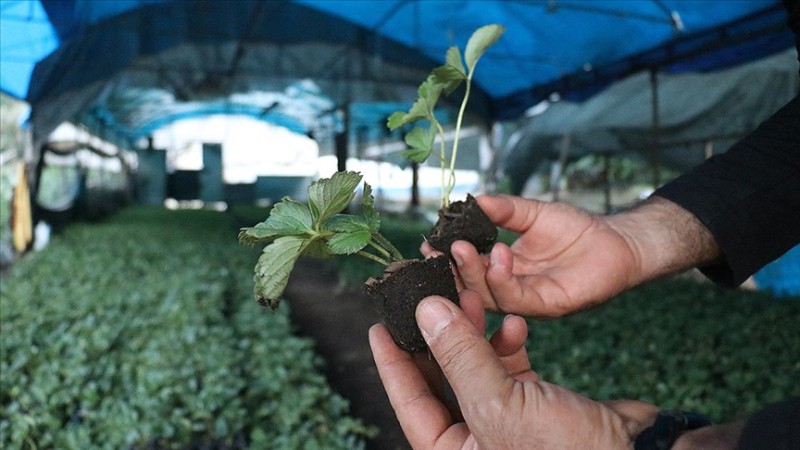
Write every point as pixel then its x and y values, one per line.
pixel 124 67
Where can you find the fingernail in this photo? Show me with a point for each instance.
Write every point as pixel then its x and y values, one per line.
pixel 494 257
pixel 432 316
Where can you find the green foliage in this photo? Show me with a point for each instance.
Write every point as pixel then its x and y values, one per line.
pixel 7 182
pixel 138 332
pixel 679 344
pixel 587 171
pixel 443 80
pixel 317 229
pixel 404 232
pixel 10 134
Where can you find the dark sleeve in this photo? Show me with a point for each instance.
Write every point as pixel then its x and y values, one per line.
pixel 748 197
pixel 776 427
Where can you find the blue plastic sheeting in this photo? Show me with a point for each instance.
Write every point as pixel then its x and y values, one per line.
pixel 26 36
pixel 782 276
pixel 574 47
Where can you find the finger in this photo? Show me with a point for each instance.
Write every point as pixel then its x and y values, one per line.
pixel 510 212
pixel 428 251
pixel 472 270
pixel 509 344
pixel 510 337
pixel 422 416
pixel 465 356
pixel 503 284
pixel 472 305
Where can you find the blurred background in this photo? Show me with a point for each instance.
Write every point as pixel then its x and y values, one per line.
pixel 138 135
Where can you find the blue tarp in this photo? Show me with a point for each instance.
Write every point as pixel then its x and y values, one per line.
pixel 83 49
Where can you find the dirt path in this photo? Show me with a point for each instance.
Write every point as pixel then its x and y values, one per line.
pixel 339 322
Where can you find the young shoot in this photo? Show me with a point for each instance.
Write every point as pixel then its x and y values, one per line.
pixel 318 229
pixel 443 80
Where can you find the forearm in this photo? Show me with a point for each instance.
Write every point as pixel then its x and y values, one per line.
pixel 664 239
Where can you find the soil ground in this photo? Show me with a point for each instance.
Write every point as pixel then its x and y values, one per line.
pixel 339 321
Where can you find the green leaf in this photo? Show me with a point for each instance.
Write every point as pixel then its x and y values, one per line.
pixel 397 120
pixel 368 208
pixel 349 243
pixel 352 233
pixel 274 267
pixel 429 92
pixel 347 223
pixel 452 73
pixel 329 196
pixel 420 138
pixel 318 249
pixel 449 78
pixel 453 59
pixel 416 155
pixel 287 218
pixel 428 95
pixel 483 38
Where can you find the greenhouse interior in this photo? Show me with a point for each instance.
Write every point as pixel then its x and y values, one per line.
pixel 141 139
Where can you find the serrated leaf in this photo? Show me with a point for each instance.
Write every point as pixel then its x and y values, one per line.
pixel 397 120
pixel 274 267
pixel 329 196
pixel 416 155
pixel 352 233
pixel 429 92
pixel 483 38
pixel 318 249
pixel 450 75
pixel 420 138
pixel 349 243
pixel 368 208
pixel 453 59
pixel 449 78
pixel 346 223
pixel 422 109
pixel 287 218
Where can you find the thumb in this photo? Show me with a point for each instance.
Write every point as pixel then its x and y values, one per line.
pixel 463 353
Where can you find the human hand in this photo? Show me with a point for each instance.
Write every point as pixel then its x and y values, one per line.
pixel 564 260
pixel 501 401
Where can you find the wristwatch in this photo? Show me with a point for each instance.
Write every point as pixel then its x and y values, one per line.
pixel 669 425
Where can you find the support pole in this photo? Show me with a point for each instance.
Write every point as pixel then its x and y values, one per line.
pixel 415 186
pixel 341 140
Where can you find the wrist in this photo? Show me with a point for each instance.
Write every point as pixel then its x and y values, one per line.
pixel 669 428
pixel 664 239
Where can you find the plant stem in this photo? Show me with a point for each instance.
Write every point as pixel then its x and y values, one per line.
pixel 383 242
pixel 379 248
pixel 375 258
pixel 451 183
pixel 443 164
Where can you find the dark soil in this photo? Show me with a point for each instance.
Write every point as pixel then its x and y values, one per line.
pixel 339 320
pixel 398 293
pixel 466 221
